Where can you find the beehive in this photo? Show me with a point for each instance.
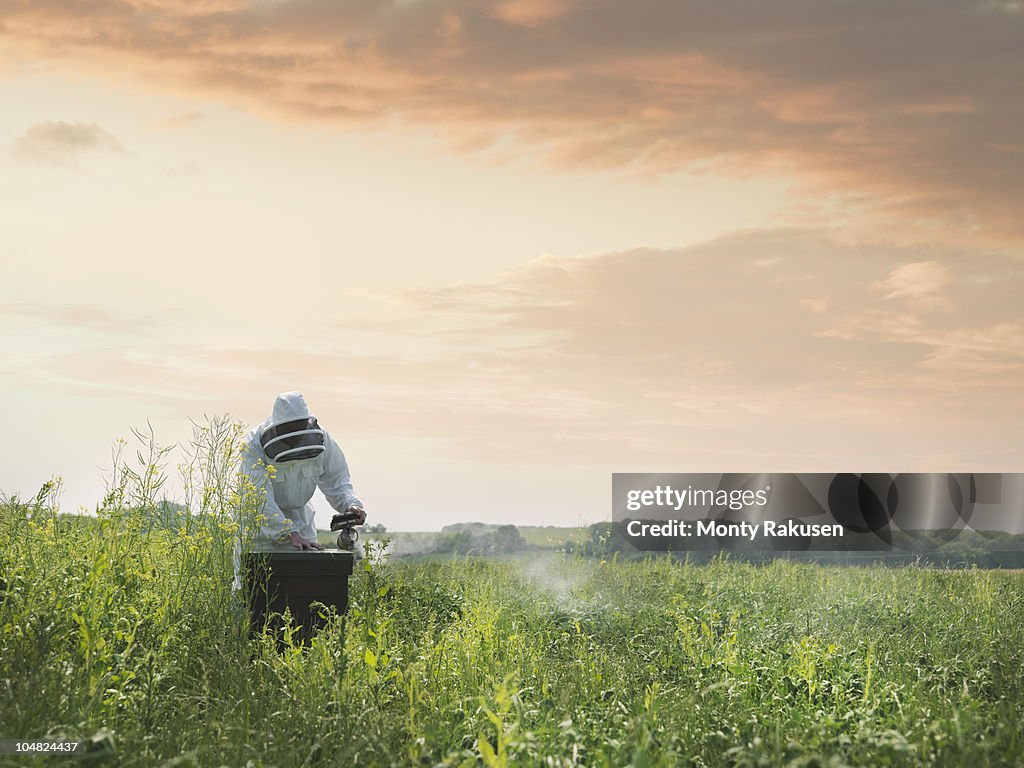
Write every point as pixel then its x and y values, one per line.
pixel 277 578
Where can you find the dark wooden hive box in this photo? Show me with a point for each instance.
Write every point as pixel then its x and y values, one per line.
pixel 276 579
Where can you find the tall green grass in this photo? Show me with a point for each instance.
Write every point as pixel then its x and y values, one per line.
pixel 122 630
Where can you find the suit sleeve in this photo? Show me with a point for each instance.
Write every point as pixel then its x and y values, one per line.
pixel 272 522
pixel 336 482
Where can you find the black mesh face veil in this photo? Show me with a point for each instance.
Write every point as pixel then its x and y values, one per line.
pixel 293 440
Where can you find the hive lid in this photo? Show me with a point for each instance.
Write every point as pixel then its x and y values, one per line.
pixel 290 553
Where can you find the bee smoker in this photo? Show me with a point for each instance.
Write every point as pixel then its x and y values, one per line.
pixel 344 523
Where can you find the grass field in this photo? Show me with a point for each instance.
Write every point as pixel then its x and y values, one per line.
pixel 122 630
pixel 130 638
pixel 550 536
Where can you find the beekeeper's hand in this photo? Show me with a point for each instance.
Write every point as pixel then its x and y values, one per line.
pixel 359 512
pixel 300 543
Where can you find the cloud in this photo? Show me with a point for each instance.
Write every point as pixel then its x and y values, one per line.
pixel 180 120
pixel 530 13
pixel 738 307
pixel 909 108
pixel 60 143
pixel 922 282
pixel 78 316
pixel 189 7
pixel 814 305
pixel 738 351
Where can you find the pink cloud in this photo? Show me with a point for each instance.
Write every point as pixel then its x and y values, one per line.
pixel 763 344
pixel 910 103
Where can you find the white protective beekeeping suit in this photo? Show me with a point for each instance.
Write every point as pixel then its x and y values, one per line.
pixel 317 462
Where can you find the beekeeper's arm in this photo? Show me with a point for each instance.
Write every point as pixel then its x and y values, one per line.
pixel 336 482
pixel 273 524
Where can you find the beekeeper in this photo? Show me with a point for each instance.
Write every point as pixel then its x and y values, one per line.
pixel 288 457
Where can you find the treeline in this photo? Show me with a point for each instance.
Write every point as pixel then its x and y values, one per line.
pixel 478 538
pixel 965 548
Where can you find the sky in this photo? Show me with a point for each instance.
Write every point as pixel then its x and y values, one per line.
pixel 509 247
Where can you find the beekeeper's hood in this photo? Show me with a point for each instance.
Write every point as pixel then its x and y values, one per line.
pixel 292 432
pixel 289 406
